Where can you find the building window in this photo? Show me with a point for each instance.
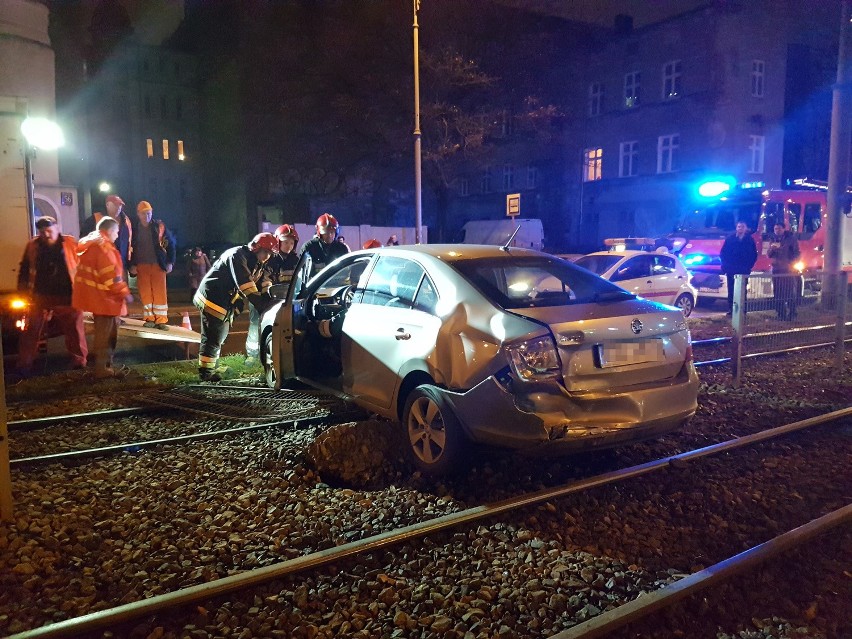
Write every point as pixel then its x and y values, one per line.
pixel 757 146
pixel 149 145
pixel 532 177
pixel 147 106
pixel 180 153
pixel 592 160
pixel 632 85
pixel 628 155
pixel 508 177
pixel 165 149
pixel 164 107
pixel 595 98
pixel 758 67
pixel 667 153
pixel 464 187
pixel 671 80
pixel 486 180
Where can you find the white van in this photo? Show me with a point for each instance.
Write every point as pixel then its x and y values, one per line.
pixel 497 232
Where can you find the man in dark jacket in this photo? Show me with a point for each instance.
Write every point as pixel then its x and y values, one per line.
pixel 152 258
pixel 46 273
pixel 784 253
pixel 738 255
pixel 232 280
pixel 323 248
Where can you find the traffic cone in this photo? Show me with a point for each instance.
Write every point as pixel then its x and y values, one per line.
pixel 185 323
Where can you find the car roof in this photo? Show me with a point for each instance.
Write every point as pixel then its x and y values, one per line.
pixel 630 253
pixel 455 252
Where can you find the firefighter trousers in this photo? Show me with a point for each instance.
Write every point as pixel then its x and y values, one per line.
pixel 151 282
pixel 213 334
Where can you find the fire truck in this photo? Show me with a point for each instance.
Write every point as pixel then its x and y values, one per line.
pixel 699 238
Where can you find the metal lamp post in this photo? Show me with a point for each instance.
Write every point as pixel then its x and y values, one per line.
pixel 418 183
pixel 39 133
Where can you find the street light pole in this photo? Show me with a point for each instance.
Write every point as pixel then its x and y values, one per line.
pixel 418 183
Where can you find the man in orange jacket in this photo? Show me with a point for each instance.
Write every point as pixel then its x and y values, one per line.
pixel 100 289
pixel 46 275
pixel 152 257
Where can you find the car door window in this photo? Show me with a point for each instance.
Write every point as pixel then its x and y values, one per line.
pixel 394 282
pixel 427 297
pixel 663 265
pixel 632 269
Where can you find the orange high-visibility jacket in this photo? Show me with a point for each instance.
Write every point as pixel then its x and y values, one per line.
pixel 99 286
pixel 27 270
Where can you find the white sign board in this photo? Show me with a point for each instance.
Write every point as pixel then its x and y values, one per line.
pixel 513 204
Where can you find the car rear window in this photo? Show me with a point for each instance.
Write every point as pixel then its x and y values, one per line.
pixel 530 281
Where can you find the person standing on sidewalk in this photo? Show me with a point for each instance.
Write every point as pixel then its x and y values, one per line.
pixel 152 258
pixel 278 269
pixel 99 288
pixel 222 294
pixel 46 274
pixel 738 255
pixel 115 210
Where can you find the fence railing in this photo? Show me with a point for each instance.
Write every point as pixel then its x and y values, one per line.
pixel 778 313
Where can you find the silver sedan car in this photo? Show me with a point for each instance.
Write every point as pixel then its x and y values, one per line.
pixel 470 344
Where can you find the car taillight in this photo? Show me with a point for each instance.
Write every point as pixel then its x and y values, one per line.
pixel 535 360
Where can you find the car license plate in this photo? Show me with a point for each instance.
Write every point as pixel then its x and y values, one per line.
pixel 707 289
pixel 627 353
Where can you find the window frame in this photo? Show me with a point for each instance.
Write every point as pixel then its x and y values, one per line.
pixel 668 147
pixel 629 150
pixel 758 78
pixel 592 164
pixel 595 106
pixel 672 74
pixel 757 151
pixel 633 83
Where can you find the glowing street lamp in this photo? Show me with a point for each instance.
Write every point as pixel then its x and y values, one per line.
pixel 40 133
pixel 104 187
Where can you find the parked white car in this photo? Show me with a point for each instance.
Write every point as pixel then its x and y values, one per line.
pixel 661 277
pixel 471 343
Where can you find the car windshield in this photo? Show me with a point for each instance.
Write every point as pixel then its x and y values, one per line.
pixel 525 281
pixel 599 264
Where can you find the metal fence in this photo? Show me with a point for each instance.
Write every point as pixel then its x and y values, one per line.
pixel 781 313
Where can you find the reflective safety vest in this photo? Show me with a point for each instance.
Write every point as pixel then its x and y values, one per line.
pixel 99 285
pixel 233 276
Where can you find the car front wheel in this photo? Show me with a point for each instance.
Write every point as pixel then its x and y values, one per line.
pixel 685 303
pixel 269 374
pixel 434 436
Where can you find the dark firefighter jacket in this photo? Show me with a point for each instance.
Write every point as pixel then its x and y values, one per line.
pixel 322 254
pixel 233 276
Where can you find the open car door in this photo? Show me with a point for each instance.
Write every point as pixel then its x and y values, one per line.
pixel 280 357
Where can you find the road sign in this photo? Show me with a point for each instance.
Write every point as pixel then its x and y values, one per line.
pixel 513 204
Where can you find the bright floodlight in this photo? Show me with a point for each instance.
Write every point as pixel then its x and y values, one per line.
pixel 42 133
pixel 712 189
pixel 103 187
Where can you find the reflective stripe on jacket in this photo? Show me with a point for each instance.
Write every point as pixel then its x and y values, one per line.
pixel 233 276
pixel 99 286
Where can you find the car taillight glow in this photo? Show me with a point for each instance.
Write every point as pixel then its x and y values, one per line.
pixel 535 360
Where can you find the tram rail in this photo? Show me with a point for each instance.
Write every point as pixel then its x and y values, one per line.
pixel 323 558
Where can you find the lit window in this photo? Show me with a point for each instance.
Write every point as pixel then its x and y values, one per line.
pixel 758 67
pixel 671 80
pixel 592 161
pixel 757 147
pixel 632 84
pixel 532 177
pixel 667 153
pixel 486 180
pixel 508 177
pixel 595 98
pixel 165 149
pixel 149 145
pixel 627 158
pixel 181 155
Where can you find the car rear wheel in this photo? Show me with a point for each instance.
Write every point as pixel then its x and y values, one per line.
pixel 434 436
pixel 685 303
pixel 269 374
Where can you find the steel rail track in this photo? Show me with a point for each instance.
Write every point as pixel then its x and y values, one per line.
pixel 242 581
pixel 604 623
pixel 38 422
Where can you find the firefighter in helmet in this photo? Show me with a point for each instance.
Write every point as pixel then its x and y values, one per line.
pixel 234 279
pixel 278 270
pixel 323 248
